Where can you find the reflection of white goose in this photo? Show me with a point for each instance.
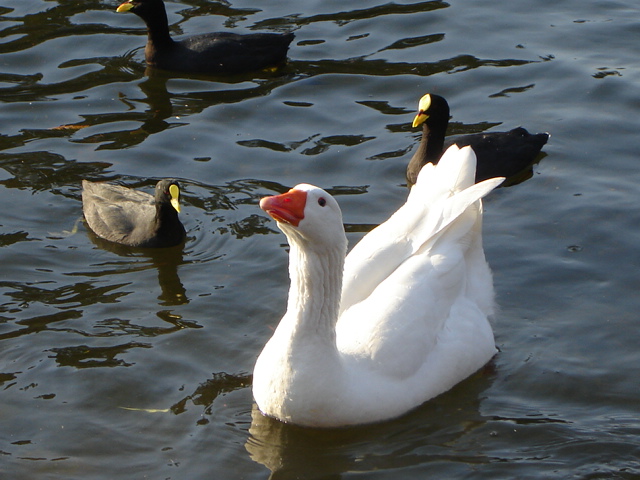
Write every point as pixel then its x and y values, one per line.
pixel 402 320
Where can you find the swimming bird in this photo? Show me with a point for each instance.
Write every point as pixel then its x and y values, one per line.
pixel 499 154
pixel 401 319
pixel 209 53
pixel 130 217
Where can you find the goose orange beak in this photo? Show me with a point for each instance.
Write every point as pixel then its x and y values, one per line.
pixel 286 208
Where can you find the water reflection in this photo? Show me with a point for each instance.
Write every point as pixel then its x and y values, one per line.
pixel 46 171
pixel 170 110
pixel 85 356
pixel 167 110
pixel 34 324
pixel 165 260
pixel 207 392
pixel 293 452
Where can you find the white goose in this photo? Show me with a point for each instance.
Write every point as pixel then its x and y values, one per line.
pixel 401 320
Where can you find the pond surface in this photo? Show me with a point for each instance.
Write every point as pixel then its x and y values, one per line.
pixel 121 363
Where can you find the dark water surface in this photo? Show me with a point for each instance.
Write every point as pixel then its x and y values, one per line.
pixel 120 363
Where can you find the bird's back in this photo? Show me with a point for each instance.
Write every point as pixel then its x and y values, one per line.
pixel 503 154
pixel 222 53
pixel 416 298
pixel 409 277
pixel 116 213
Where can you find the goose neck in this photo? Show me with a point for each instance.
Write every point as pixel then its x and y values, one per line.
pixel 314 295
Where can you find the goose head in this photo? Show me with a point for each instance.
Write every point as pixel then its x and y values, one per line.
pixel 308 214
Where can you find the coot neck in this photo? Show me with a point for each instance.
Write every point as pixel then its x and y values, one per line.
pixel 432 143
pixel 158 28
pixel 168 224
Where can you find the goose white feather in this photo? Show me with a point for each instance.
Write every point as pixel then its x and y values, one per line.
pixel 401 320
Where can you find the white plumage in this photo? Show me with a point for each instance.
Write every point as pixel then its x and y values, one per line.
pixel 402 320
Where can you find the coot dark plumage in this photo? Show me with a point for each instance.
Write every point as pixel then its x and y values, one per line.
pixel 209 53
pixel 134 218
pixel 499 154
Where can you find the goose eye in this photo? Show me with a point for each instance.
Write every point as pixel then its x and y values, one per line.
pixel 322 202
